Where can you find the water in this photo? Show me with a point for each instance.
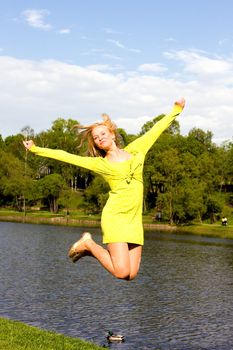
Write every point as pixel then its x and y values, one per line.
pixel 182 298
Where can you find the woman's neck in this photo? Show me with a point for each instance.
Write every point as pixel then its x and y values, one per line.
pixel 117 155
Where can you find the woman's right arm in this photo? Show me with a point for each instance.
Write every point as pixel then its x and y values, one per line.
pixel 94 164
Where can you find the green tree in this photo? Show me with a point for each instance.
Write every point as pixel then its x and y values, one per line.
pixel 96 195
pixel 15 185
pixel 173 129
pixel 171 173
pixel 62 135
pixel 215 204
pixel 70 200
pixel 50 188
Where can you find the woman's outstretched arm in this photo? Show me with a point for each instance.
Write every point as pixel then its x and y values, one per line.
pixel 145 142
pixel 91 163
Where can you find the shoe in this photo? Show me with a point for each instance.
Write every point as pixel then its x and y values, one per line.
pixel 74 252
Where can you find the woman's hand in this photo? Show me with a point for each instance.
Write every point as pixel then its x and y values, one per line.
pixel 181 103
pixel 28 144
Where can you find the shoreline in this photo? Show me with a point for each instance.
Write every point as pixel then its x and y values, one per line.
pixel 209 230
pixel 63 221
pixel 16 335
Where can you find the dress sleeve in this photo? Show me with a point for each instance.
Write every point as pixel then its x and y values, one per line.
pixel 145 142
pixel 91 163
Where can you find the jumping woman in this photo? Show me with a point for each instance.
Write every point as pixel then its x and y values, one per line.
pixel 121 219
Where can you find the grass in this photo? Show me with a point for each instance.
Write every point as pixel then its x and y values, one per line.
pixel 79 215
pixel 79 218
pixel 210 230
pixel 15 335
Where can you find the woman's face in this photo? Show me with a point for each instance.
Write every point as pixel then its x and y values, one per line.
pixel 103 137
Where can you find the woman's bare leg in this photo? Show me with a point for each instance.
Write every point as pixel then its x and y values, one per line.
pixel 119 253
pixel 126 258
pixel 122 260
pixel 135 253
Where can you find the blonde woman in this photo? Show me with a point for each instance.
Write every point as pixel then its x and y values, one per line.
pixel 121 219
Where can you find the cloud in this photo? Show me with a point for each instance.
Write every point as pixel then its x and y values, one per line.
pixel 112 57
pixel 135 50
pixel 152 67
pixel 104 67
pixel 170 39
pixel 64 31
pixel 202 65
pixel 36 93
pixel 116 43
pixel 121 46
pixel 35 18
pixel 111 31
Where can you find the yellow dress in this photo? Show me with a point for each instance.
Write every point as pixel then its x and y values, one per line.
pixel 121 219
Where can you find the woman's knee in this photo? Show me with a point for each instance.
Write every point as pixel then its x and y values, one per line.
pixel 122 272
pixel 125 275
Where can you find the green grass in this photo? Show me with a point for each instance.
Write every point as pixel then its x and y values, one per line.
pixel 211 230
pixel 79 218
pixel 15 335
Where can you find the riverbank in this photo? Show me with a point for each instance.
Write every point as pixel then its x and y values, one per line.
pixel 205 229
pixel 15 335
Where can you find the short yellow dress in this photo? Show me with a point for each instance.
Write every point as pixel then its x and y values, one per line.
pixel 121 219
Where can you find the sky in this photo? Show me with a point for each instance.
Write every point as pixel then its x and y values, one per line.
pixel 131 59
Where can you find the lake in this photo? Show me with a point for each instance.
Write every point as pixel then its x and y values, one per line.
pixel 182 297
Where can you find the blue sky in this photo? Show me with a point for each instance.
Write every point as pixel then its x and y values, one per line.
pixel 130 59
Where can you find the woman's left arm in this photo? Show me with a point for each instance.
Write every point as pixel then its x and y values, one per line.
pixel 145 142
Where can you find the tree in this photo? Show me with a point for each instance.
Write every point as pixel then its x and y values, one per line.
pixel 50 188
pixel 215 203
pixel 171 173
pixel 61 136
pixel 96 195
pixel 173 129
pixel 15 185
pixel 199 141
pixel 2 144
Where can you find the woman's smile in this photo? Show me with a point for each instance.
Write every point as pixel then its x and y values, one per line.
pixel 102 136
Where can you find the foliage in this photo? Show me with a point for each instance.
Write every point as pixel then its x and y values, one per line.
pixel 15 184
pixel 186 178
pixel 49 189
pixel 96 195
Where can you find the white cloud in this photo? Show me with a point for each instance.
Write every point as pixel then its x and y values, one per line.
pixel 202 65
pixel 112 57
pixel 36 93
pixel 36 18
pixel 152 67
pixel 170 39
pixel 104 67
pixel 121 46
pixel 64 31
pixel 116 43
pixel 135 50
pixel 111 31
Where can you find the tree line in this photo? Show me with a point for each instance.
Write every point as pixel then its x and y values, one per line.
pixel 186 178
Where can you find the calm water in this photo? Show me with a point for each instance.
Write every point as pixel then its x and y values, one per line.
pixel 181 299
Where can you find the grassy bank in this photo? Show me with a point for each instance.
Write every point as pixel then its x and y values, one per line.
pixel 210 230
pixel 82 220
pixel 18 336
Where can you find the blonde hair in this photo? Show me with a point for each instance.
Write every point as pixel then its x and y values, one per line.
pixel 86 136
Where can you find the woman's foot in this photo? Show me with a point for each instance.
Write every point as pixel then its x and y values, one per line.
pixel 78 249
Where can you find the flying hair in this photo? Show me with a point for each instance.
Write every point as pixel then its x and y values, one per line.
pixel 85 131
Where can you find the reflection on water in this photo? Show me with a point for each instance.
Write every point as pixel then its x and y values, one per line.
pixel 181 299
